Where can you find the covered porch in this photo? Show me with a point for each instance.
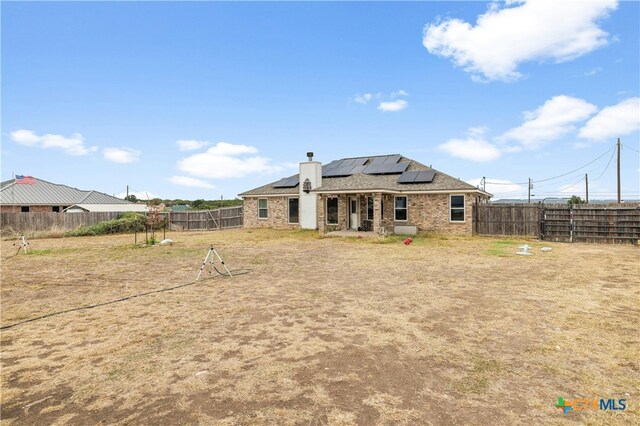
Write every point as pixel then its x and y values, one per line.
pixel 362 212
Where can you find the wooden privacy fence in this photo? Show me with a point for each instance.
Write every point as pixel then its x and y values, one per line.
pixel 12 223
pixel 49 221
pixel 599 223
pixel 507 219
pixel 224 218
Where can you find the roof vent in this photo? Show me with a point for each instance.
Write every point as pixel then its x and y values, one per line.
pixel 310 156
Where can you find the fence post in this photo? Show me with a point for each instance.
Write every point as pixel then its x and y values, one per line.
pixel 475 217
pixel 542 217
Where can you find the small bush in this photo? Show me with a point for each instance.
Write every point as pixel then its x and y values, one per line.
pixel 127 222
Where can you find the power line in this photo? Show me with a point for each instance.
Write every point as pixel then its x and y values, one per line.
pixel 606 168
pixel 581 167
pixel 555 177
pixel 633 149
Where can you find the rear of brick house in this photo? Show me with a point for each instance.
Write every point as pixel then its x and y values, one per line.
pixel 389 192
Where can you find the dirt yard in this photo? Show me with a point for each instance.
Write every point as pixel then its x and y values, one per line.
pixel 322 331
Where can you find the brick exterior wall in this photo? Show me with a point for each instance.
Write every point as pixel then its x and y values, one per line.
pixel 322 216
pixel 277 212
pixel 431 213
pixel 428 212
pixel 32 209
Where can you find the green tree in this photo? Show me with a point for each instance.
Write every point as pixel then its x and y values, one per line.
pixel 576 200
pixel 199 204
pixel 131 198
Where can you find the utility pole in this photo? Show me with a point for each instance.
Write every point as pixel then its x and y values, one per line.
pixel 530 186
pixel 127 193
pixel 619 200
pixel 586 183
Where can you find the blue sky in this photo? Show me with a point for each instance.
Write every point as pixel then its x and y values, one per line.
pixel 203 99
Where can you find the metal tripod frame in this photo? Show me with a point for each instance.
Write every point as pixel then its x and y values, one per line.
pixel 211 253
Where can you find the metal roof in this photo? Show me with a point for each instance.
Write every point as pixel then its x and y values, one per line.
pixel 46 193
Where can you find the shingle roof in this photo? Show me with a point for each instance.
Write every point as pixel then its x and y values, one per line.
pixel 47 193
pixel 370 182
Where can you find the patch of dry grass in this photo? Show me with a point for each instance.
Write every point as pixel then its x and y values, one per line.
pixel 339 331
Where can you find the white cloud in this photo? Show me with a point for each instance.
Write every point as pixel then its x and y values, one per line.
pixel 225 160
pixel 553 119
pixel 500 188
pixel 121 155
pixel 593 71
pixel 25 137
pixel 73 145
pixel 473 148
pixel 388 102
pixel 399 93
pixel 191 145
pixel 189 181
pixel 613 121
pixel 364 98
pixel 392 106
pixel 521 31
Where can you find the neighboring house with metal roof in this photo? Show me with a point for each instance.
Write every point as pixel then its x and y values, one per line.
pixel 392 192
pixel 42 196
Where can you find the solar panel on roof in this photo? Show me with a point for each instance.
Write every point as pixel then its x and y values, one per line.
pixel 398 167
pixel 377 161
pixel 340 171
pixel 372 169
pixel 425 176
pixel 417 176
pixel 408 177
pixel 360 161
pixel 358 169
pixel 333 164
pixel 289 182
pixel 392 159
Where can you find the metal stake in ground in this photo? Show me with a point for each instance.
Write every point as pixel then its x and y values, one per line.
pixel 211 253
pixel 23 243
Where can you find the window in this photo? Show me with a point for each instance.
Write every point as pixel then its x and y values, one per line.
pixel 401 209
pixel 262 208
pixel 294 214
pixel 382 208
pixel 24 209
pixel 369 208
pixel 457 208
pixel 332 211
pixel 55 209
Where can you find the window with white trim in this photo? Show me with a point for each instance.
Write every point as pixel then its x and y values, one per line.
pixel 332 211
pixel 457 208
pixel 369 208
pixel 294 212
pixel 401 213
pixel 263 211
